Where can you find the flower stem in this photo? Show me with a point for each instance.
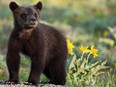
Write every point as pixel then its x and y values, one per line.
pixel 82 55
pixel 88 56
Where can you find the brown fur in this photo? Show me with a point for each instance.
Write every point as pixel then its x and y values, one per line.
pixel 45 46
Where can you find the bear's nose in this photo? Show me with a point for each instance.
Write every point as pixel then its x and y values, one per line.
pixel 32 19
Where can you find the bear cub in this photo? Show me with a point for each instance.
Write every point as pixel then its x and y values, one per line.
pixel 46 47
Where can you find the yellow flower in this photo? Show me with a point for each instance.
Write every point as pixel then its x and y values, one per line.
pixel 105 34
pixel 70 46
pixel 84 49
pixel 94 51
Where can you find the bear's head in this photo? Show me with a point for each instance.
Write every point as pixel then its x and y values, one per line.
pixel 26 17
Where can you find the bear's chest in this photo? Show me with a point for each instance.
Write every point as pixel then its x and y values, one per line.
pixel 25 34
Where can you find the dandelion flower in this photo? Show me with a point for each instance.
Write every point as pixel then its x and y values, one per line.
pixel 70 46
pixel 94 51
pixel 84 49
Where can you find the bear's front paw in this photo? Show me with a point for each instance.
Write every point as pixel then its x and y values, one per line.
pixel 29 83
pixel 11 82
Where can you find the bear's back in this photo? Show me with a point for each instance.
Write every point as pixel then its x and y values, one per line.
pixel 55 42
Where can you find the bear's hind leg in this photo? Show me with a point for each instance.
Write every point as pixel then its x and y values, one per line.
pixel 58 72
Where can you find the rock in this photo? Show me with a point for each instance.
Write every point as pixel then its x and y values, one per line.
pixel 22 85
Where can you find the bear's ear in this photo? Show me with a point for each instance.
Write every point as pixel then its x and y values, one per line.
pixel 13 6
pixel 38 6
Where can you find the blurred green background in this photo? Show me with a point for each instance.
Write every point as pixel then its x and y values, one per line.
pixel 84 22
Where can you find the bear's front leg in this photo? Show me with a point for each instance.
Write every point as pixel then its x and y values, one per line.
pixel 37 66
pixel 13 61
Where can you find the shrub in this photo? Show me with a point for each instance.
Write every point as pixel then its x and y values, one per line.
pixel 81 72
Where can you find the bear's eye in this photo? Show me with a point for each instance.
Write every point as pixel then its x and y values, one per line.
pixel 35 15
pixel 23 15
